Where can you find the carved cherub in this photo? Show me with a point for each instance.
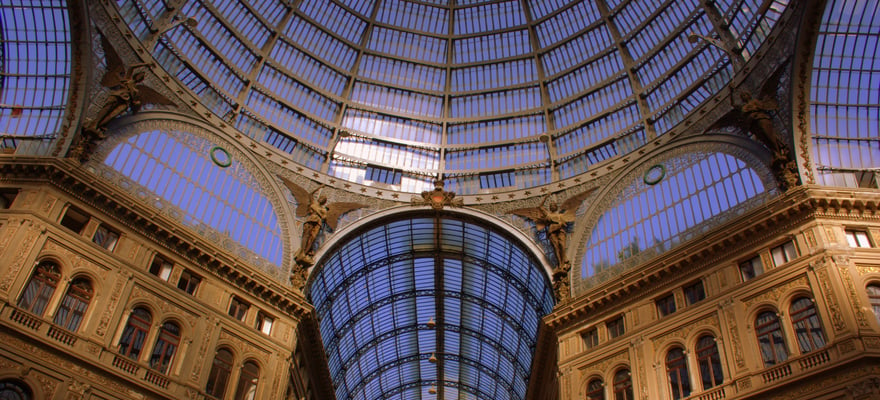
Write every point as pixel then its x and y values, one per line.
pixel 555 220
pixel 317 213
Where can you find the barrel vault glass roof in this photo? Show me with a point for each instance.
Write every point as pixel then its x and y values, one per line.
pixel 431 307
pixel 488 95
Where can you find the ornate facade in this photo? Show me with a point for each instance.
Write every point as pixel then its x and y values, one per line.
pixel 722 240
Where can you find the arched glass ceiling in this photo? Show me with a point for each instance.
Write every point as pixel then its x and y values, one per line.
pixel 669 203
pixel 34 71
pixel 845 95
pixel 490 95
pixel 209 190
pixel 377 291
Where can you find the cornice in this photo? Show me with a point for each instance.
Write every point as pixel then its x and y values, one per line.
pixel 68 176
pixel 776 216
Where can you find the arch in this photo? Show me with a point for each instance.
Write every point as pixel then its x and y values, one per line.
pixel 677 372
pixel 40 287
pixel 221 372
pixel 248 380
pixel 394 290
pixel 16 389
pixel 166 346
pixel 806 324
pixel 135 331
pixel 708 360
pixel 595 388
pixel 622 384
pixel 770 337
pixel 668 199
pixel 237 206
pixel 77 298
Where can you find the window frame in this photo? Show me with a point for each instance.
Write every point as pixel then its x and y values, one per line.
pixel 709 362
pixel 754 264
pixel 853 238
pixel 262 320
pixel 595 389
pixel 873 292
pixel 665 305
pixel 133 349
pixel 775 335
pixel 74 305
pixel 808 315
pixel 111 238
pixel 590 338
pixel 190 280
pixel 247 389
pixel 690 289
pixel 161 267
pixel 41 287
pixel 238 308
pixel 623 385
pixel 783 253
pixel 166 346
pixel 677 373
pixel 615 327
pixel 219 367
pixel 74 219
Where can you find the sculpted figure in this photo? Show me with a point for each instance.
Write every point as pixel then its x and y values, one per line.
pixel 760 124
pixel 555 220
pixel 128 93
pixel 317 212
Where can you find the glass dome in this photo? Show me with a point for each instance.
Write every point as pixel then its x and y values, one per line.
pixel 488 95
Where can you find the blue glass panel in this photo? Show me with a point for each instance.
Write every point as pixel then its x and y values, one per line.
pixel 414 16
pixel 488 17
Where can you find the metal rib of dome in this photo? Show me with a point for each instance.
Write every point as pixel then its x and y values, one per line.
pixel 488 95
pixel 430 302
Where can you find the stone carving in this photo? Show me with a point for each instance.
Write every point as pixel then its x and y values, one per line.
pixel 138 292
pixel 685 330
pixel 756 113
pixel 868 269
pixel 734 338
pixel 127 93
pixel 777 291
pixel 47 385
pixel 836 314
pixel 29 241
pixel 317 213
pixel 555 221
pixel 205 337
pixel 111 305
pixel 871 342
pixel 855 304
pixel 437 198
pixel 602 365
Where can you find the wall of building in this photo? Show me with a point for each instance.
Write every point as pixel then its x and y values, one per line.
pixel 824 268
pixel 89 362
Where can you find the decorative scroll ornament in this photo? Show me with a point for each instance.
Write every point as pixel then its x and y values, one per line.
pixel 437 198
pixel 556 221
pixel 127 93
pixel 317 213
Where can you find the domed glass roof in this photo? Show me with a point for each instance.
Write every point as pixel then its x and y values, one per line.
pixel 488 95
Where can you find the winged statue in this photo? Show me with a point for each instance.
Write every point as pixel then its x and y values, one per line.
pixel 127 93
pixel 317 213
pixel 555 219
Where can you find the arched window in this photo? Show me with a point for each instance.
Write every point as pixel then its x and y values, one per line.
pixel 12 389
pixel 132 341
pixel 166 345
pixel 596 389
pixel 874 297
pixel 623 385
pixel 709 361
pixel 74 305
pixel 677 371
pixel 806 325
pixel 221 370
pixel 770 338
pixel 247 382
pixel 39 289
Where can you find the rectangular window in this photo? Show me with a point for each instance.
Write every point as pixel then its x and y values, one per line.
pixel 665 305
pixel 74 219
pixel 751 268
pixel 590 338
pixel 694 292
pixel 857 238
pixel 238 308
pixel 615 327
pixel 7 196
pixel 161 268
pixel 188 282
pixel 264 323
pixel 783 253
pixel 106 237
